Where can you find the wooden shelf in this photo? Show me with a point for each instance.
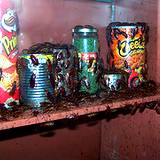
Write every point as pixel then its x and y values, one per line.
pixel 28 119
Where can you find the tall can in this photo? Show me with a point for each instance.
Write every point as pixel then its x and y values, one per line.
pixel 127 42
pixel 9 90
pixel 85 39
pixel 65 70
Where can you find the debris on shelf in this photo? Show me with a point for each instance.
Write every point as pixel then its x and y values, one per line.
pixel 84 100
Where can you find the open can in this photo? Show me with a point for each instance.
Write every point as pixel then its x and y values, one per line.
pixel 114 80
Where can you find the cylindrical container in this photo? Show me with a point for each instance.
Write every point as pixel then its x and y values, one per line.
pixel 36 74
pixel 127 43
pixel 114 80
pixel 65 70
pixel 9 90
pixel 85 39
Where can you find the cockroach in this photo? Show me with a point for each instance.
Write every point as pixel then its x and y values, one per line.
pixel 112 88
pixel 13 89
pixel 72 72
pixel 1 73
pixel 68 52
pixel 118 32
pixel 32 80
pixel 126 64
pixel 95 68
pixel 13 104
pixel 51 78
pixel 34 60
pixel 133 109
pixel 60 77
pixel 2 105
pixel 49 63
pixel 58 69
pixel 62 91
pixel 133 32
pixel 142 108
pixel 90 63
pixel 49 96
pixel 60 56
pixel 35 112
pixel 108 35
pixel 67 64
pixel 85 82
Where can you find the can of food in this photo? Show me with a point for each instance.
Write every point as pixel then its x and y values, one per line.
pixel 36 75
pixel 127 43
pixel 66 78
pixel 114 80
pixel 9 83
pixel 85 39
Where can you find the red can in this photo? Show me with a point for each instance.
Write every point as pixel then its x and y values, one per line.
pixel 9 90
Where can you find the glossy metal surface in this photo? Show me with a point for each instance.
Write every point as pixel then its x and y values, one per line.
pixel 37 94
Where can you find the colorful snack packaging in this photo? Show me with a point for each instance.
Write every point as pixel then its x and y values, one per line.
pixel 127 45
pixel 9 90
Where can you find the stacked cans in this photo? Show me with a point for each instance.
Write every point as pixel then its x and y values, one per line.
pixel 36 72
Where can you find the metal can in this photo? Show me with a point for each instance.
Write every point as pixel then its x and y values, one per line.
pixel 127 43
pixel 65 70
pixel 36 74
pixel 114 80
pixel 85 39
pixel 9 87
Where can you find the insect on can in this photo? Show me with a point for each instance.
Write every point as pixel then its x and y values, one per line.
pixel 127 42
pixel 65 70
pixel 9 83
pixel 36 74
pixel 85 39
pixel 114 80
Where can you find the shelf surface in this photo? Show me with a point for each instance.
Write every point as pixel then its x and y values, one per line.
pixel 27 118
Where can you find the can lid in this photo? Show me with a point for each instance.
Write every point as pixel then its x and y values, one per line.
pixel 127 25
pixel 84 29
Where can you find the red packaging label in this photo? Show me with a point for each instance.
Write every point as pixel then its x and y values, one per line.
pixel 88 56
pixel 9 90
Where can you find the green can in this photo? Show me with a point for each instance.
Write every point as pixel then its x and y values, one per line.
pixel 85 39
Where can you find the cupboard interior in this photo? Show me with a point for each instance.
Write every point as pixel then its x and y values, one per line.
pixel 126 137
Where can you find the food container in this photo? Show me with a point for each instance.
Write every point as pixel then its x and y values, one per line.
pixel 66 78
pixel 85 39
pixel 127 42
pixel 115 80
pixel 36 74
pixel 9 83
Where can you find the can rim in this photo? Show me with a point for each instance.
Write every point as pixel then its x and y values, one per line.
pixel 84 29
pixel 127 25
